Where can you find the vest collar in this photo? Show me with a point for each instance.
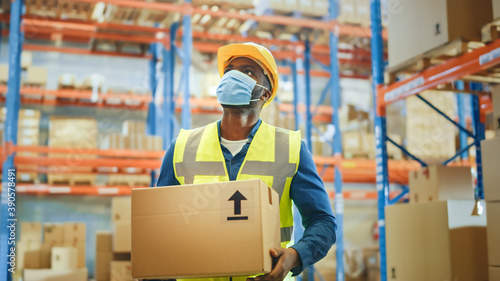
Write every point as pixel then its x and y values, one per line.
pixel 252 132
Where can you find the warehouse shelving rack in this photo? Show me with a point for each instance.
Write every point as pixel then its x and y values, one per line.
pixel 169 50
pixel 450 71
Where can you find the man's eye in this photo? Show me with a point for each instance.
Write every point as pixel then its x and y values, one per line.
pixel 248 72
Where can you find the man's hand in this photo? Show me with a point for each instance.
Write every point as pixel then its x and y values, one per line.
pixel 288 259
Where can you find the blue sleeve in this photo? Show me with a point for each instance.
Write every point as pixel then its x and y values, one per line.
pixel 309 195
pixel 167 175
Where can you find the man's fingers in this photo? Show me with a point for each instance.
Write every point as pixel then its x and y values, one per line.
pixel 276 252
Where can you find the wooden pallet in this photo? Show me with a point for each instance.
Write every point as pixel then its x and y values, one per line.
pixel 430 58
pixel 359 155
pixel 71 179
pixel 60 9
pixel 25 177
pixel 129 180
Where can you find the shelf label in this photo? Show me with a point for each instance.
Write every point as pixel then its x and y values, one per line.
pixel 57 190
pixel 402 90
pixel 108 190
pixel 486 58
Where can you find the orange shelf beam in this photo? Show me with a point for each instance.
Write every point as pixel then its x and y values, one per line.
pixel 122 153
pixel 39 189
pixel 453 69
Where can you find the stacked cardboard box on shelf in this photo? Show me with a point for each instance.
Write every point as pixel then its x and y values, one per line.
pixel 415 30
pixel 490 151
pixel 60 254
pixel 430 136
pixel 435 237
pixel 28 133
pixel 78 135
pixel 133 137
pixel 113 259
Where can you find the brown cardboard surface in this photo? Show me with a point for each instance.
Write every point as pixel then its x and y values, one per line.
pixel 121 209
pixel 53 233
pixel 206 237
pixel 28 254
pixel 494 273
pixel 439 183
pixel 74 231
pixel 81 251
pixel 413 24
pixel 496 102
pixel 102 266
pixel 493 229
pixel 80 274
pixel 45 255
pixel 490 151
pixel 121 271
pixel 435 241
pixel 103 241
pixel 64 258
pixel 31 232
pixel 122 235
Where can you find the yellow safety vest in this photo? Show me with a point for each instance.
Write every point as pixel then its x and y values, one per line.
pixel 273 157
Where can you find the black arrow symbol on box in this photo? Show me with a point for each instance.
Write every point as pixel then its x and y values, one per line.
pixel 237 197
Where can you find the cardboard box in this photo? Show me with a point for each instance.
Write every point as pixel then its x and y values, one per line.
pixel 36 75
pixel 4 73
pixel 80 274
pixel 435 241
pixel 53 233
pixel 103 241
pixel 28 254
pixel 80 250
pixel 64 258
pixel 121 271
pixel 490 151
pixel 496 109
pixel 122 237
pixel 121 209
pixel 130 128
pixel 439 183
pixel 416 27
pixel 45 255
pixel 75 231
pixel 494 273
pixel 496 14
pixel 64 130
pixel 216 217
pixel 31 232
pixel 26 59
pixel 104 256
pixel 102 270
pixel 493 229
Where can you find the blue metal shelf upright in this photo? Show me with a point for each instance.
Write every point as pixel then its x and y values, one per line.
pixel 12 104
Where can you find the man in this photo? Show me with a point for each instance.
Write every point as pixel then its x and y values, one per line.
pixel 240 146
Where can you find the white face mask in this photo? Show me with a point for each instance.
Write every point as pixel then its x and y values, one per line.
pixel 236 88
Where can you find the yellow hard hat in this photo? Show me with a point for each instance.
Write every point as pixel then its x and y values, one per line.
pixel 257 53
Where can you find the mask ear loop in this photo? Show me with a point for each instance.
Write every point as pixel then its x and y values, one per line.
pixel 262 88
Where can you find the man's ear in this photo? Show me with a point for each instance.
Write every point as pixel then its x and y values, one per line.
pixel 266 95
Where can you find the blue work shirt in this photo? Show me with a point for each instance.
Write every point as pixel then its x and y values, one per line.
pixel 307 192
